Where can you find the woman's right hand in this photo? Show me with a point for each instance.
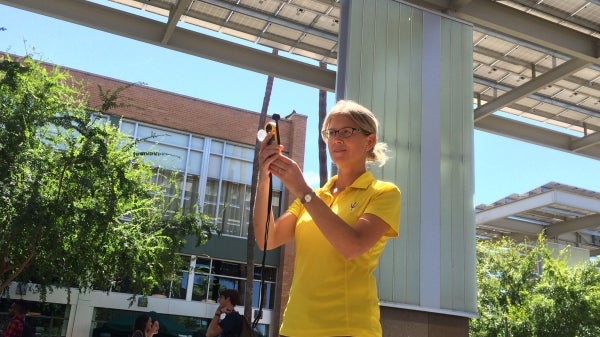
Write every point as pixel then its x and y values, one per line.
pixel 267 154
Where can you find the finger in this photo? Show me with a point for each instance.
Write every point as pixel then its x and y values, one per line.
pixel 266 156
pixel 270 161
pixel 265 142
pixel 278 170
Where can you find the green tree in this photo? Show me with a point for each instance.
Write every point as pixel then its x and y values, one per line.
pixel 77 205
pixel 526 290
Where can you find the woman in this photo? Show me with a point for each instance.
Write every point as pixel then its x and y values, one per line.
pixel 142 324
pixel 154 327
pixel 339 229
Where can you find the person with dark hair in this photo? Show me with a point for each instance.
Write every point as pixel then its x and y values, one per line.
pixel 339 229
pixel 154 327
pixel 16 325
pixel 231 324
pixel 142 324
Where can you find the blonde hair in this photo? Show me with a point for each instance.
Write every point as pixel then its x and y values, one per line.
pixel 365 120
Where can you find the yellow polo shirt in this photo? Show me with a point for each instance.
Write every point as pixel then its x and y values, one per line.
pixel 331 296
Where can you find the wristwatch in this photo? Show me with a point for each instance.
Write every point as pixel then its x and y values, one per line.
pixel 308 197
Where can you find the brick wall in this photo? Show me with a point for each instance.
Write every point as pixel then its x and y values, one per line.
pixel 193 115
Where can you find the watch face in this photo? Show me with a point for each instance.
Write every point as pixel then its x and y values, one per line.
pixel 308 198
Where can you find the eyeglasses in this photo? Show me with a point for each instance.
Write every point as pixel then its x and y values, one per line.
pixel 340 133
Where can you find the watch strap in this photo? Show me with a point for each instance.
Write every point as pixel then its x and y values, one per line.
pixel 308 197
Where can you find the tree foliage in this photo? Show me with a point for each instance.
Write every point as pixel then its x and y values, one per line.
pixel 525 290
pixel 77 205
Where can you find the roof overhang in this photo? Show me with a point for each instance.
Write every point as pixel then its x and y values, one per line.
pixel 563 213
pixel 536 62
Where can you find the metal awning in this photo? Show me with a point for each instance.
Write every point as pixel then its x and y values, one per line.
pixel 536 61
pixel 565 214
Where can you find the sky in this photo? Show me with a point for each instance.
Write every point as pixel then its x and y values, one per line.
pixel 503 166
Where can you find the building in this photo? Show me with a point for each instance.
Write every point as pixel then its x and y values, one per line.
pixel 222 137
pixel 422 64
pixel 568 216
pixel 212 148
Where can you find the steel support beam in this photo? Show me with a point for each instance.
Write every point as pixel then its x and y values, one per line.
pixel 531 86
pixel 541 98
pixel 590 221
pixel 174 17
pixel 512 226
pixel 506 20
pixel 186 41
pixel 240 8
pixel 514 207
pixel 534 134
pixel 584 142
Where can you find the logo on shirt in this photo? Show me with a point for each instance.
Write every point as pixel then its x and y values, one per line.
pixel 353 205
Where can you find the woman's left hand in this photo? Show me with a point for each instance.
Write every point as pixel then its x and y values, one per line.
pixel 290 174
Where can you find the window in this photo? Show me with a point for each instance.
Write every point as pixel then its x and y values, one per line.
pixel 182 161
pixel 48 319
pixel 190 193
pixel 211 194
pixel 210 276
pixel 202 284
pixel 232 205
pixel 168 181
